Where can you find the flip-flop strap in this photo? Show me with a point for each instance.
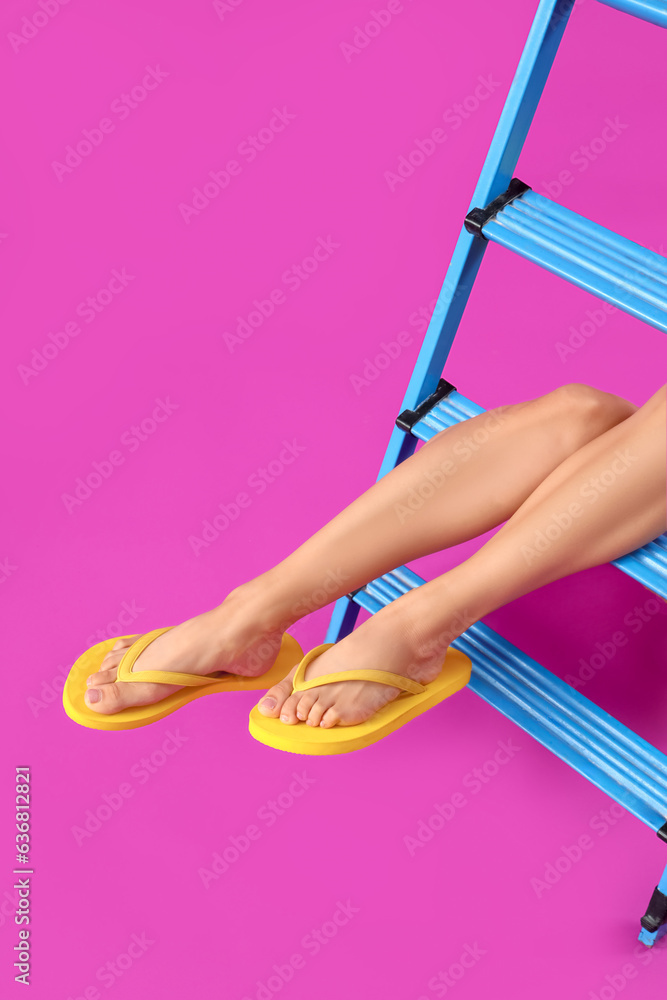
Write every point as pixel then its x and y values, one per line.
pixel 125 672
pixel 299 682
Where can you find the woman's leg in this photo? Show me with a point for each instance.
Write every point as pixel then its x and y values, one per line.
pixel 465 481
pixel 606 499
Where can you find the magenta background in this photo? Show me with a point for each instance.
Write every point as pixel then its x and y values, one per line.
pixel 291 380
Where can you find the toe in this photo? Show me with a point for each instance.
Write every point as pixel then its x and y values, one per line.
pixel 330 718
pixel 317 711
pixel 124 642
pixel 114 655
pixel 305 704
pixel 288 711
pixel 274 699
pixel 108 698
pixel 111 660
pixel 103 677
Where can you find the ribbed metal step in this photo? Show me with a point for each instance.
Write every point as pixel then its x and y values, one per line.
pixel 614 268
pixel 654 11
pixel 606 752
pixel 647 565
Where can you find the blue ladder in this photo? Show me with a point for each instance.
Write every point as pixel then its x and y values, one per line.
pixel 505 210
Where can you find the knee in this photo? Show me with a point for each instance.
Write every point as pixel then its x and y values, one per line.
pixel 583 404
pixel 580 412
pixel 578 398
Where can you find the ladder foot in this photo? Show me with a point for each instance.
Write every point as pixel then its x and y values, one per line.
pixel 649 938
pixel 654 921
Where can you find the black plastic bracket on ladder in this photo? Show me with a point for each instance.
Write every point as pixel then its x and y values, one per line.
pixel 408 418
pixel 477 218
pixel 656 914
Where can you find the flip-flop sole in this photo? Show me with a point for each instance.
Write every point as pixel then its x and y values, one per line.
pixel 313 740
pixel 289 655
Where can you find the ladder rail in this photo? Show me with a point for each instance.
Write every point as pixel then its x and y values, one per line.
pixel 515 120
pixel 654 11
pixel 608 754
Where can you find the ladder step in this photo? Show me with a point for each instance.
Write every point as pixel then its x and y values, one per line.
pixel 654 11
pixel 610 266
pixel 647 565
pixel 606 752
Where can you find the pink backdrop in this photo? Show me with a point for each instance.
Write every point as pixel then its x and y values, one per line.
pixel 123 303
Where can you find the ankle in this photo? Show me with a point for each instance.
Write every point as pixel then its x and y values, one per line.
pixel 263 602
pixel 432 620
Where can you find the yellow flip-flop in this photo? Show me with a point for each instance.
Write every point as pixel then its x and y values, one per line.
pixel 413 700
pixel 193 685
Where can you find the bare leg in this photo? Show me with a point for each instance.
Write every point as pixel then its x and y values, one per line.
pixel 601 502
pixel 463 482
pixel 466 480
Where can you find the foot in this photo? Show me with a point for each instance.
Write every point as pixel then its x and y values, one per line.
pixel 237 637
pixel 387 641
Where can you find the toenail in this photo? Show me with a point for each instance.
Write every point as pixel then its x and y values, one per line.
pixel 284 718
pixel 269 702
pixel 300 715
pixel 93 695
